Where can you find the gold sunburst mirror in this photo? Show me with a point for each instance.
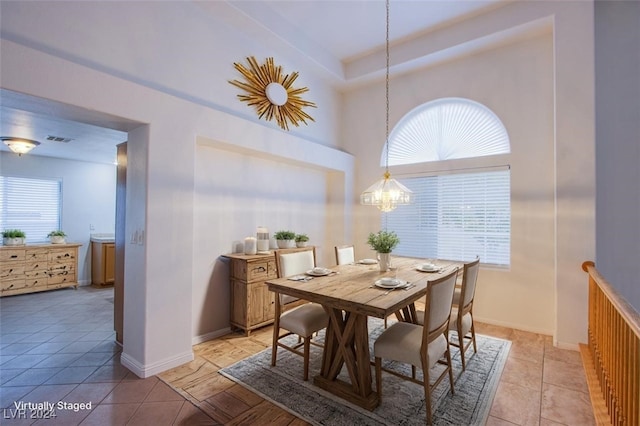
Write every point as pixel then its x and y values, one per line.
pixel 272 93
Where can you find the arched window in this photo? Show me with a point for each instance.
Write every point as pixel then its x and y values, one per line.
pixel 456 215
pixel 446 129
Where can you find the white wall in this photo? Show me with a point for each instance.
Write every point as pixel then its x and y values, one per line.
pixel 617 29
pixel 88 197
pixel 234 193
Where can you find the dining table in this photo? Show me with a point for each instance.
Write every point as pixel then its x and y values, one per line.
pixel 350 296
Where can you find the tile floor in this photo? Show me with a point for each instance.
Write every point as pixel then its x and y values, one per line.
pixel 59 346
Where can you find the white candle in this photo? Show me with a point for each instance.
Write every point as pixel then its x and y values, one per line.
pixel 250 246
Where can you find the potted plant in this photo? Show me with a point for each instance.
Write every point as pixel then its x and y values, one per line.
pixel 285 239
pixel 13 237
pixel 57 237
pixel 301 240
pixel 383 243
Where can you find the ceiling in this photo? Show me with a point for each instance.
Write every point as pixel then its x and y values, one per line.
pixel 333 32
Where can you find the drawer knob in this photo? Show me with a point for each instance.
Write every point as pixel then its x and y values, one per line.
pixel 259 269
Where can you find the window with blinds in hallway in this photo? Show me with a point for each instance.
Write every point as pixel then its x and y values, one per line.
pixel 31 205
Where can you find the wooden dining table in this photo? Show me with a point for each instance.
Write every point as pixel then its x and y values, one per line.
pixel 349 297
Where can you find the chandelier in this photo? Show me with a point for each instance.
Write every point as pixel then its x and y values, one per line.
pixel 387 193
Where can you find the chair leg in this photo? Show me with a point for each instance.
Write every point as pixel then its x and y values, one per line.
pixel 473 336
pixel 274 347
pixel 461 346
pixel 307 346
pixel 427 393
pixel 276 332
pixel 379 376
pixel 449 366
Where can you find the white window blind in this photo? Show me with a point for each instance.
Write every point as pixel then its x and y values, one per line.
pixel 456 217
pixel 31 205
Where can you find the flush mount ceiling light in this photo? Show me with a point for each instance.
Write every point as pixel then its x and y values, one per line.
pixel 387 193
pixel 19 145
pixel 272 93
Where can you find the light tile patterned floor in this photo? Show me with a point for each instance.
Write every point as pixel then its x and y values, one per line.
pixel 59 346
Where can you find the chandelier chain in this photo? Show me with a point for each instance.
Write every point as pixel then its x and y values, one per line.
pixel 387 93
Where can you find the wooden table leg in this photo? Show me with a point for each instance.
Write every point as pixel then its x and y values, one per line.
pixel 347 344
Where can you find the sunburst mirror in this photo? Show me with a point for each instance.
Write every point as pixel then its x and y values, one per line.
pixel 272 93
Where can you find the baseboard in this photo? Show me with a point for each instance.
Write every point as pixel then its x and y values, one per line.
pixel 514 326
pixel 560 345
pixel 210 336
pixel 144 371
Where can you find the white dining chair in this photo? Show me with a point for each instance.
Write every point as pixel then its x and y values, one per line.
pixel 296 316
pixel 421 346
pixel 345 254
pixel 461 320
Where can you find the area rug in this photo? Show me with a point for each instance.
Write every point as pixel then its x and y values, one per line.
pixel 402 402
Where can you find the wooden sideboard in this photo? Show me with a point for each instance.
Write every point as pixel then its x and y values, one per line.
pixel 252 304
pixel 31 268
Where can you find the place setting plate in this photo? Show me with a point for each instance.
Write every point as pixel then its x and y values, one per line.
pixel 319 272
pixel 390 283
pixel 428 267
pixel 367 261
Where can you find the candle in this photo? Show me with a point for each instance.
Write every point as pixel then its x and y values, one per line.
pixel 263 239
pixel 250 246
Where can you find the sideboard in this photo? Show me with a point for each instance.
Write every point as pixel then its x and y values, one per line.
pixel 252 304
pixel 38 267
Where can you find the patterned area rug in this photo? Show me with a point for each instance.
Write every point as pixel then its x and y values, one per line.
pixel 402 401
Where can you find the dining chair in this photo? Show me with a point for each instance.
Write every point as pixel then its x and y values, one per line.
pixel 421 346
pixel 345 254
pixel 462 313
pixel 461 320
pixel 296 316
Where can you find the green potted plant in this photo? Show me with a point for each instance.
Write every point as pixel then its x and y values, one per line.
pixel 57 237
pixel 285 239
pixel 13 237
pixel 383 243
pixel 301 240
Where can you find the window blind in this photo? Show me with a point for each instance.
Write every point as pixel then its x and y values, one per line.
pixel 31 205
pixel 456 217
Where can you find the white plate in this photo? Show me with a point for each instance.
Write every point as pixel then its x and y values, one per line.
pixel 367 261
pixel 425 268
pixel 316 273
pixel 390 283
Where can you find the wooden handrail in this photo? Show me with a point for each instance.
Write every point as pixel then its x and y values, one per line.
pixel 612 358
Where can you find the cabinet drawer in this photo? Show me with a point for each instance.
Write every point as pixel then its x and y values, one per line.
pixel 11 270
pixel 12 254
pixel 36 255
pixel 38 265
pixel 36 274
pixel 13 284
pixel 61 277
pixel 61 255
pixel 254 271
